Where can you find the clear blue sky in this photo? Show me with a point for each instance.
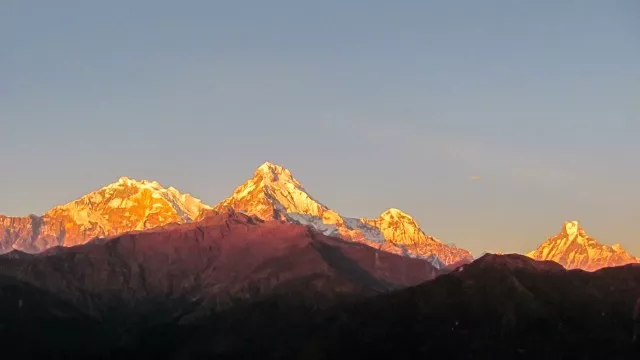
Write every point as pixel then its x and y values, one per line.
pixel 371 104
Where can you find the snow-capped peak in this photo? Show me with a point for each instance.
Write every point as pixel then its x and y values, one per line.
pixel 127 181
pixel 276 176
pixel 617 247
pixel 573 248
pixel 572 229
pixel 123 192
pixel 125 205
pixel 273 170
pixel 393 213
pixel 273 193
pixel 399 226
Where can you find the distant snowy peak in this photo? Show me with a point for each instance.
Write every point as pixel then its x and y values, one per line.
pixel 397 226
pixel 273 193
pixel 575 249
pixel 403 230
pixel 271 173
pixel 573 230
pixel 123 206
pixel 134 195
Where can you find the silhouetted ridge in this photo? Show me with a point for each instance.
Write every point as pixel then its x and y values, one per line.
pixel 512 262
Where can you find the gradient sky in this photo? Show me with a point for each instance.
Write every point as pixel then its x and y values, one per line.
pixel 491 122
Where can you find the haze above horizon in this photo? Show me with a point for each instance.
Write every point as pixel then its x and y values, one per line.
pixel 490 123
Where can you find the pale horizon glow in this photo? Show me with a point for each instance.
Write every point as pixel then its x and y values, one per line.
pixel 490 123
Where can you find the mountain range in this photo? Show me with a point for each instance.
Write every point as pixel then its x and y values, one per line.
pixel 134 270
pixel 272 193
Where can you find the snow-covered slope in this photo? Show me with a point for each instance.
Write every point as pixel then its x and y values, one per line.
pixel 574 249
pixel 273 193
pixel 123 206
pixel 402 230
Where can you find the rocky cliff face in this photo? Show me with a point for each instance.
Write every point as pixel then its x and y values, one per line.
pixel 29 233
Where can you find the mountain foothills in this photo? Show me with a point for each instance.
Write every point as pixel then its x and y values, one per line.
pixel 109 293
pixel 497 307
pixel 210 264
pixel 574 249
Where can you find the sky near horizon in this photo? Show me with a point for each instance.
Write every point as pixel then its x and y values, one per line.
pixel 490 122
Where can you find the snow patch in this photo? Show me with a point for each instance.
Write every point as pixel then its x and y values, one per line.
pixel 114 203
pixel 371 233
pixel 315 222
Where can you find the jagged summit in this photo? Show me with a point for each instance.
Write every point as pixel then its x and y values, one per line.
pixel 273 175
pixel 573 248
pixel 268 165
pixel 274 193
pixel 271 193
pixel 393 212
pixel 127 181
pixel 126 192
pixel 572 229
pixel 273 169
